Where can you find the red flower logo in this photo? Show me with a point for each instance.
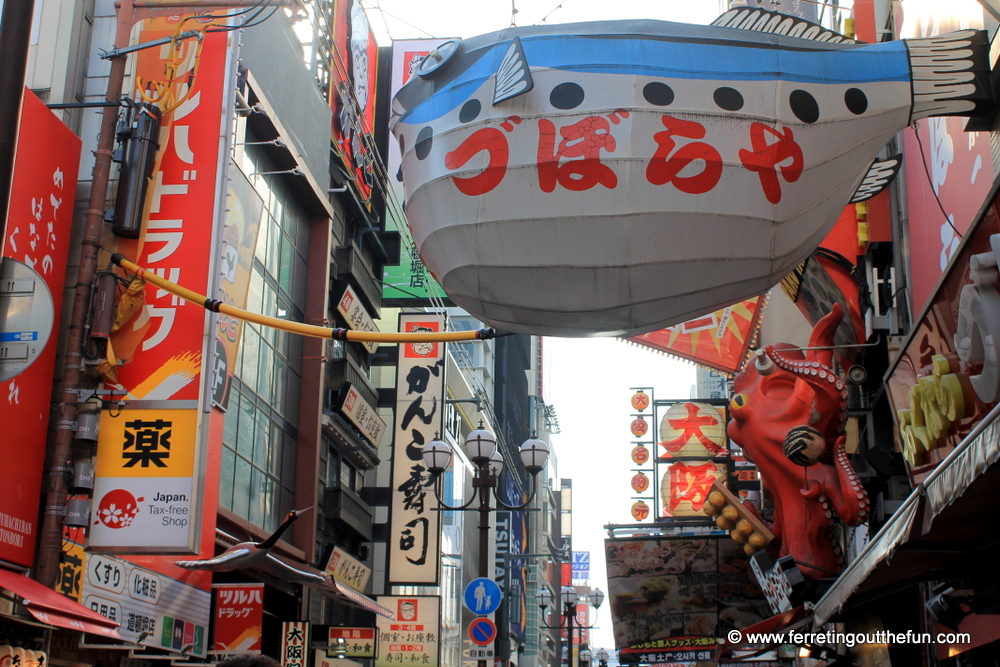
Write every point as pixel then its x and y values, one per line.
pixel 117 509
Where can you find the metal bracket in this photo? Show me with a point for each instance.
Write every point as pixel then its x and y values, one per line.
pixel 116 52
pixel 477 400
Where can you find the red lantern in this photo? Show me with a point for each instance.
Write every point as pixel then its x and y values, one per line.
pixel 640 482
pixel 639 427
pixel 640 454
pixel 640 510
pixel 640 401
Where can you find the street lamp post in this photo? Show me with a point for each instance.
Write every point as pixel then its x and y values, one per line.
pixel 569 599
pixel 481 447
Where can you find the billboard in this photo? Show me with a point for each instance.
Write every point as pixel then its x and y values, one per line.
pixel 239 618
pixel 352 95
pixel 46 162
pixel 663 590
pixel 170 613
pixel 949 173
pixel 410 281
pixel 244 210
pixel 159 457
pixel 719 340
pixel 414 637
pixel 415 528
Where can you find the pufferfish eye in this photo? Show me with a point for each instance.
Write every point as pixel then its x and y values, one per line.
pixel 739 401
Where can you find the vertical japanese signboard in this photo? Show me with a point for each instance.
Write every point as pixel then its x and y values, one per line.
pixel 294 643
pixel 244 209
pixel 410 281
pixel 414 540
pixel 35 250
pixel 239 618
pixel 411 639
pixel 155 450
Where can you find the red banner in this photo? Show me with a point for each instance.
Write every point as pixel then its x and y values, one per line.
pixel 46 163
pixel 717 340
pixel 239 617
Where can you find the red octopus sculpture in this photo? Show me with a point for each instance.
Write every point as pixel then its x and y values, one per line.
pixel 788 414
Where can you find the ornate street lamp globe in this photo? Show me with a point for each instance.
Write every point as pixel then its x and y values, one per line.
pixel 569 596
pixel 596 598
pixel 602 655
pixel 543 598
pixel 534 453
pixel 585 655
pixel 480 444
pixel 496 463
pixel 436 456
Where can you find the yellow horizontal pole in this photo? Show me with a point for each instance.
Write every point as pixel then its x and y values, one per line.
pixel 217 306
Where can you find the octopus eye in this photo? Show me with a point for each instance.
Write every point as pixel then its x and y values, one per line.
pixel 739 401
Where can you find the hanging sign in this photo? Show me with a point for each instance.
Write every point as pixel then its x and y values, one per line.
pixel 639 427
pixel 354 311
pixel 239 618
pixel 415 528
pixel 294 643
pixel 640 400
pixel 579 179
pixel 640 454
pixel 34 271
pixel 640 482
pixel 413 638
pixel 358 642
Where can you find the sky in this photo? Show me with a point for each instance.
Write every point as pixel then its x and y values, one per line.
pixel 589 381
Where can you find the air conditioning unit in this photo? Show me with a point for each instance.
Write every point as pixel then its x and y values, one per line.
pixel 882 289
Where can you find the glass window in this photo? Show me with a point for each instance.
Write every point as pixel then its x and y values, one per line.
pixel 227 475
pixel 244 445
pixel 262 443
pixel 241 487
pixel 251 357
pixel 256 515
pixel 232 421
pixel 346 474
pixel 286 266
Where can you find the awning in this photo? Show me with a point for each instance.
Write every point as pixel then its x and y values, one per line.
pixel 945 519
pixel 363 601
pixel 54 609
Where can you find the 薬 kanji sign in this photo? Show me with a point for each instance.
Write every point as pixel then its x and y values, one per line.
pixel 144 482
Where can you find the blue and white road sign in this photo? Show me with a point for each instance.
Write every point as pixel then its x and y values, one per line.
pixel 482 596
pixel 581 564
pixel 482 631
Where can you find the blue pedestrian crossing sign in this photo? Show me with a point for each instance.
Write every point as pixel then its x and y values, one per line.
pixel 482 596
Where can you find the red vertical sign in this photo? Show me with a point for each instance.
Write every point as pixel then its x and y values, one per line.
pixel 239 617
pixel 46 162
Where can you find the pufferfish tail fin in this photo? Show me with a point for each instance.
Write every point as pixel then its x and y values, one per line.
pixel 951 75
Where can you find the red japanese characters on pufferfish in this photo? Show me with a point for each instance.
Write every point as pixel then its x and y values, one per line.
pixel 118 509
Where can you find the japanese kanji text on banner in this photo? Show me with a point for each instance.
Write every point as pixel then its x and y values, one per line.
pixel 239 618
pixel 414 544
pixel 412 639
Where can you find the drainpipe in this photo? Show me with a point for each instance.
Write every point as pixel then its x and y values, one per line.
pixel 60 450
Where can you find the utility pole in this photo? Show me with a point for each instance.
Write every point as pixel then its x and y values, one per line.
pixel 60 449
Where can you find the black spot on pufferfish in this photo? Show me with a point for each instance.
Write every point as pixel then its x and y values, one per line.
pixel 804 106
pixel 729 99
pixel 425 140
pixel 566 95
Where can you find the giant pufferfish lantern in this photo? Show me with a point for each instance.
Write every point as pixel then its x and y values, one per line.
pixel 618 177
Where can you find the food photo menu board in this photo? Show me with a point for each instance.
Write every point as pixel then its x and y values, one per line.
pixel 680 587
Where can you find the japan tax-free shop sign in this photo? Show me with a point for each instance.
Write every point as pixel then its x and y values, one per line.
pixel 414 541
